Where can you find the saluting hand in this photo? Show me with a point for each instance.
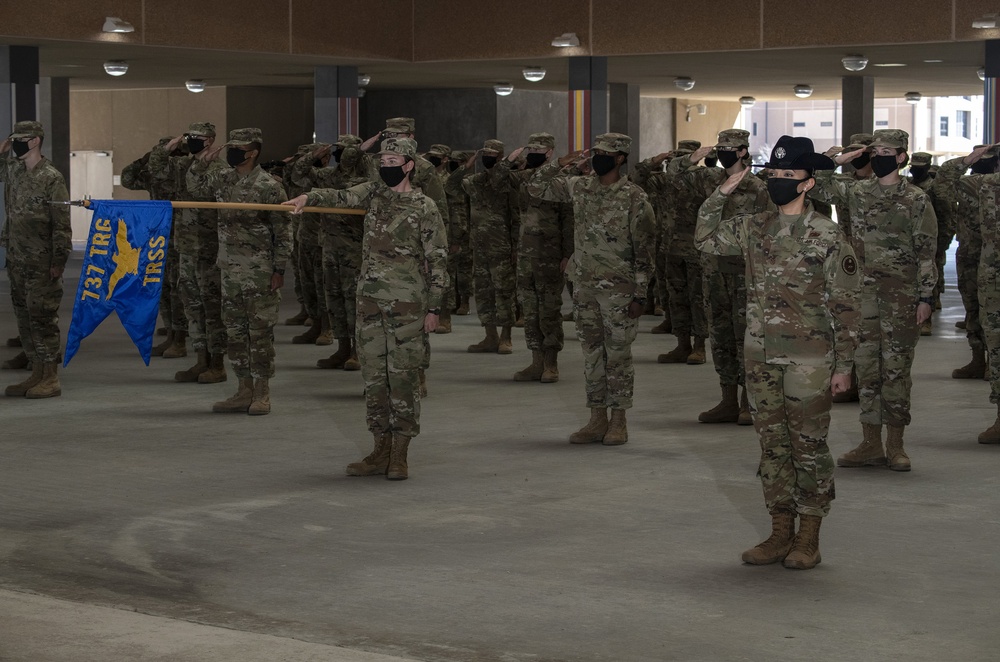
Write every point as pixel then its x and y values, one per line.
pixel 847 157
pixel 513 155
pixel 572 157
pixel 733 181
pixel 700 153
pixel 299 203
pixel 833 151
pixel 172 145
pixel 209 154
pixel 5 146
pixel 977 154
pixel 661 157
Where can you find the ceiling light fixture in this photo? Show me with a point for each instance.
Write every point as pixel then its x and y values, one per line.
pixel 364 79
pixel 802 91
pixel 981 72
pixel 889 64
pixel 195 85
pixel 503 89
pixel 116 67
pixel 987 22
pixel 933 61
pixel 361 92
pixel 566 40
pixel 854 62
pixel 115 24
pixel 684 83
pixel 747 102
pixel 533 74
pixel 912 97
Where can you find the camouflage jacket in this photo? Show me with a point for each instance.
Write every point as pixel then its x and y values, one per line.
pixel 493 219
pixel 403 231
pixel 343 229
pixel 248 240
pixel 893 233
pixel 136 176
pixel 458 211
pixel 978 196
pixel 197 230
pixel 424 177
pixel 843 214
pixel 546 227
pixel 680 202
pixel 36 233
pixel 943 201
pixel 803 283
pixel 614 230
pixel 697 183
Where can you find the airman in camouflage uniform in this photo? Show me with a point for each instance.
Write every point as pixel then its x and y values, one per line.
pixel 544 248
pixel 136 177
pixel 894 234
pixel 254 247
pixel 39 240
pixel 802 317
pixel 439 156
pixel 196 234
pixel 683 267
pixel 460 243
pixel 943 202
pixel 398 303
pixel 612 263
pixel 494 229
pixel 724 276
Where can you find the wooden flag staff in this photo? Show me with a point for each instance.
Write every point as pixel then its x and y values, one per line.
pixel 246 206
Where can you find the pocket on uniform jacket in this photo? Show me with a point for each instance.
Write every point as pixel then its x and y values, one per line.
pixel 409 331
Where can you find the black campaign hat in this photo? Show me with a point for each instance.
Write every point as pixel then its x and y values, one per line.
pixel 797 154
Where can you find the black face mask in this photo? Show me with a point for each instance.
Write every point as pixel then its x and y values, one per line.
pixel 728 159
pixel 602 164
pixel 884 165
pixel 861 161
pixel 434 160
pixel 782 190
pixel 453 166
pixel 391 175
pixel 710 162
pixel 337 153
pixel 535 160
pixel 318 163
pixel 195 145
pixel 20 147
pixel 235 156
pixel 919 173
pixel 984 166
pixel 489 161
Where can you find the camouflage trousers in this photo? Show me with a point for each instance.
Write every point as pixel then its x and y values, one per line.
pixel 606 334
pixel 687 304
pixel 539 288
pixel 887 340
pixel 311 271
pixel 967 269
pixel 660 289
pixel 495 288
pixel 726 306
pixel 201 292
pixel 296 221
pixel 461 273
pixel 171 302
pixel 36 296
pixel 341 264
pixel 940 259
pixel 989 308
pixel 250 311
pixel 791 413
pixel 391 348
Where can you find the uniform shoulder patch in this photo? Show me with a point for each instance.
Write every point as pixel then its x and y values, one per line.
pixel 849 264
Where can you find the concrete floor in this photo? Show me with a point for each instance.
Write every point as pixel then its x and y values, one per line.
pixel 241 538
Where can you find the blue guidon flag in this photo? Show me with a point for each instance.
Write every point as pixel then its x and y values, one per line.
pixel 123 270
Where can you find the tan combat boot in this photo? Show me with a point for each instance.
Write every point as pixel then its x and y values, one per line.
pixel 158 350
pixel 444 322
pixel 727 411
pixel 239 403
pixel 550 366
pixel 897 458
pixel 352 362
pixel 299 318
pixel 375 462
pixel 49 387
pixel 805 548
pixel 423 382
pixel 868 453
pixel 991 435
pixel 216 370
pixel 463 307
pixel 488 345
pixel 533 372
pixel 19 362
pixel 746 416
pixel 398 469
pixel 927 328
pixel 337 360
pixel 776 547
pixel 505 346
pixel 325 336
pixel 697 355
pixel 178 346
pixel 976 369
pixel 261 398
pixel 18 390
pixel 310 335
pixel 678 354
pixel 617 433
pixel 594 430
pixel 192 373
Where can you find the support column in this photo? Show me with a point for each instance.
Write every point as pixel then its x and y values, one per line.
pixel 623 115
pixel 335 102
pixel 53 113
pixel 991 93
pixel 858 112
pixel 588 100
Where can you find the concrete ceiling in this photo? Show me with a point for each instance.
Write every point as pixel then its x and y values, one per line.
pixel 764 74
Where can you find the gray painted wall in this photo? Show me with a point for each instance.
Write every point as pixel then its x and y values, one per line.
pixel 529 111
pixel 657 128
pixel 283 114
pixel 461 118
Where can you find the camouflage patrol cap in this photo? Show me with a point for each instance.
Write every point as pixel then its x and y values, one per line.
pixel 312 147
pixel 734 138
pixel 201 129
pixel 440 150
pixel 493 145
pixel 461 156
pixel 404 146
pixel 27 129
pixel 613 142
pixel 920 159
pixel 348 140
pixel 401 125
pixel 859 141
pixel 990 153
pixel 163 141
pixel 541 141
pixel 688 145
pixel 895 138
pixel 244 137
